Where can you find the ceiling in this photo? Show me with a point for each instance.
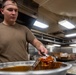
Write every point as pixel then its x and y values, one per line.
pixel 62 7
pixel 52 11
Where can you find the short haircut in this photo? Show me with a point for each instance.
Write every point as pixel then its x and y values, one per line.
pixel 3 2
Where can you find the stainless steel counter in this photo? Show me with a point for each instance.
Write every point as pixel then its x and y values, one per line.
pixel 72 70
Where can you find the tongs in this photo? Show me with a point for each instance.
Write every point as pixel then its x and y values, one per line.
pixel 46 55
pixel 38 61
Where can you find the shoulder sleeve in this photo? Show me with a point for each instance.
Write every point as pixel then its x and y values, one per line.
pixel 29 36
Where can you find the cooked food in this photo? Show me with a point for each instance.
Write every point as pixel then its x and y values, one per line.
pixel 47 63
pixel 16 68
pixel 44 64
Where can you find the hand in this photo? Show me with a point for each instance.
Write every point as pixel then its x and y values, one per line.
pixel 43 50
pixel 39 46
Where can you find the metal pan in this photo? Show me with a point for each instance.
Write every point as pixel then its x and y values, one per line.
pixel 60 71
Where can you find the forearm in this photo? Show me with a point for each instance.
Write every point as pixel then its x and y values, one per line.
pixel 39 46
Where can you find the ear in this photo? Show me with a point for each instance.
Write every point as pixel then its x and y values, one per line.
pixel 2 11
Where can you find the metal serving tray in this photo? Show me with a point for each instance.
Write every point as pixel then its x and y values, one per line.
pixel 60 71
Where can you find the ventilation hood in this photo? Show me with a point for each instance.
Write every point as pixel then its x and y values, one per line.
pixel 28 11
pixel 28 7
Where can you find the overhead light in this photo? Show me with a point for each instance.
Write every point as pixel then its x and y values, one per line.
pixel 57 45
pixel 72 44
pixel 41 25
pixel 66 24
pixel 70 35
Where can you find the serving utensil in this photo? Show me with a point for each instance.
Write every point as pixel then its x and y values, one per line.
pixel 38 61
pixel 44 54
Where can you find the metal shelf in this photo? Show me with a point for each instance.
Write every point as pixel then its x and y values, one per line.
pixel 49 38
